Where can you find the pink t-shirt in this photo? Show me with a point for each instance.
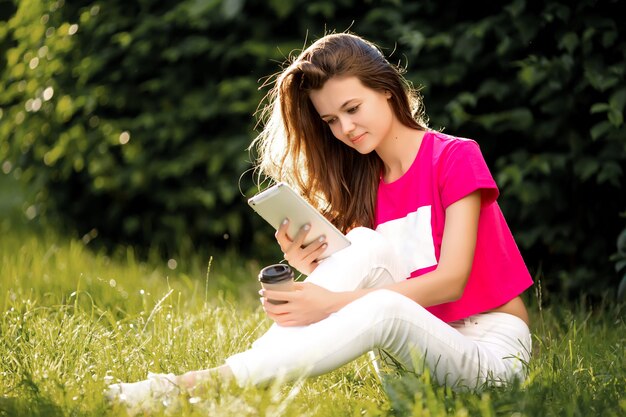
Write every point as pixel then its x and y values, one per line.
pixel 410 212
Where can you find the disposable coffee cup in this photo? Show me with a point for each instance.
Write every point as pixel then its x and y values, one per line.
pixel 277 277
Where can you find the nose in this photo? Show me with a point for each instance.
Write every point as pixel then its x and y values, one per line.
pixel 347 126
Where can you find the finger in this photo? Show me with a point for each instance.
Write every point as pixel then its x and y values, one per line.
pixel 306 253
pixel 271 310
pixel 278 319
pixel 290 323
pixel 295 249
pixel 282 237
pixel 279 295
pixel 301 235
pixel 317 248
pixel 314 244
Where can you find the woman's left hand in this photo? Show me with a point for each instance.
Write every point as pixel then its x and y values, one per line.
pixel 308 304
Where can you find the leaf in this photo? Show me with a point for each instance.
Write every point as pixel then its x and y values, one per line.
pixel 415 40
pixel 600 129
pixel 123 39
pixel 231 8
pixel 615 118
pixel 282 8
pixel 599 108
pixel 514 119
pixel 200 8
pixel 610 172
pixel 515 8
pixel 586 168
pixel 599 79
pixel 618 100
pixel 569 41
pixel 65 108
pixel 621 290
pixel 621 242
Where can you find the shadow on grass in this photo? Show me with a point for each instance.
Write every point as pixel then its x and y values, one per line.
pixel 28 407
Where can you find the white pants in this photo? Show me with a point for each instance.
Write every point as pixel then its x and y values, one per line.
pixel 487 348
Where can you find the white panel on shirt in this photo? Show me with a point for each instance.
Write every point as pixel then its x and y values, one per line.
pixel 412 238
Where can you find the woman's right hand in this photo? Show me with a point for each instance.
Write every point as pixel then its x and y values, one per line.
pixel 302 258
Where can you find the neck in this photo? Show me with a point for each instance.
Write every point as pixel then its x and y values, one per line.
pixel 398 151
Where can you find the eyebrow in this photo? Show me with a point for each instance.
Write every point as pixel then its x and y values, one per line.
pixel 343 106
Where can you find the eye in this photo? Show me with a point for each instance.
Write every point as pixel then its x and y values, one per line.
pixel 331 121
pixel 353 110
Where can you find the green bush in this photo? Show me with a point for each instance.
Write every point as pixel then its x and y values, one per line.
pixel 132 118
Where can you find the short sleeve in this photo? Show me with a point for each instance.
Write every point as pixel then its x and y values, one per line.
pixel 462 171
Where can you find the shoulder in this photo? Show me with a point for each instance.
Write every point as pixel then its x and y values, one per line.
pixel 447 142
pixel 445 147
pixel 461 169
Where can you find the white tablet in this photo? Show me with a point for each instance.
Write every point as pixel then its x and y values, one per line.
pixel 281 202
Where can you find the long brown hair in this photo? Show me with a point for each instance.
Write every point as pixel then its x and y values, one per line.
pixel 297 147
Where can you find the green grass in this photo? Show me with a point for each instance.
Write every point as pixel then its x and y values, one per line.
pixel 73 319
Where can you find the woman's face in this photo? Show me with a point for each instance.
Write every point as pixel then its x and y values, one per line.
pixel 357 115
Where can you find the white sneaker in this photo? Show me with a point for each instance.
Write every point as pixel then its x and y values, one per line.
pixel 157 392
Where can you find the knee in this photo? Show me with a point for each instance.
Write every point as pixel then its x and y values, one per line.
pixel 368 241
pixel 362 234
pixel 376 249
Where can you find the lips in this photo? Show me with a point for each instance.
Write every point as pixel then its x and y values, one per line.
pixel 357 139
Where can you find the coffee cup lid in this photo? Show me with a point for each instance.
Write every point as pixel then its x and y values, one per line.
pixel 275 273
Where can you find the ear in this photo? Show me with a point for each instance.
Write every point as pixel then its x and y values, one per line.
pixel 388 94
